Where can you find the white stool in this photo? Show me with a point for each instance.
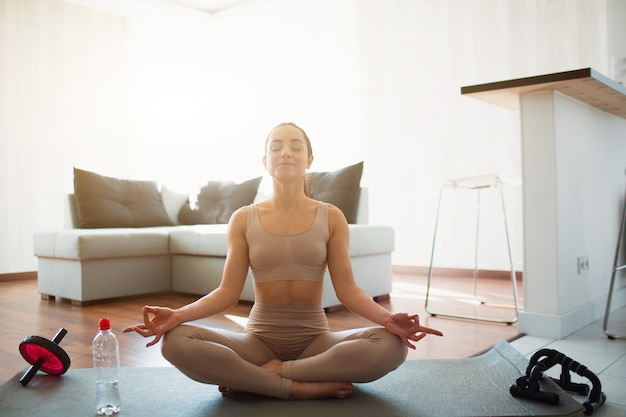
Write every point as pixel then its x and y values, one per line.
pixel 616 267
pixel 478 184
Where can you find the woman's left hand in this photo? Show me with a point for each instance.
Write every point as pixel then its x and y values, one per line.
pixel 408 328
pixel 156 322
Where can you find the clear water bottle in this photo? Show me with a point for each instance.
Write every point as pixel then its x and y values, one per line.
pixel 106 364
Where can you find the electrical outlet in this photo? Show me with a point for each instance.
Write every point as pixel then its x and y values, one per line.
pixel 583 265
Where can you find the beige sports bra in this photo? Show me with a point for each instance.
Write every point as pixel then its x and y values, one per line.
pixel 291 257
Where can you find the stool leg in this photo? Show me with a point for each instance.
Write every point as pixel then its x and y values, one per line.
pixel 510 252
pixel 509 255
pixel 616 268
pixel 432 252
pixel 476 240
pixel 475 274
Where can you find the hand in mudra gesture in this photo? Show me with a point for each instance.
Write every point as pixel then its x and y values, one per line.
pixel 408 328
pixel 156 322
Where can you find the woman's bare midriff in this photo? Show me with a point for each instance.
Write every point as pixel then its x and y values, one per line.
pixel 289 292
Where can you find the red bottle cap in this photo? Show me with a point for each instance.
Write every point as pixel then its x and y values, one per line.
pixel 105 323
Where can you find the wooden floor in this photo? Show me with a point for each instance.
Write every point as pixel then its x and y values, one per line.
pixel 24 313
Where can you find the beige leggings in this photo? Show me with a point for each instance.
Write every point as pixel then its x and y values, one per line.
pixel 297 335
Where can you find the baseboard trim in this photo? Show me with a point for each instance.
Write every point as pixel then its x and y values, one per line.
pixel 18 276
pixel 456 272
pixel 555 326
pixel 396 269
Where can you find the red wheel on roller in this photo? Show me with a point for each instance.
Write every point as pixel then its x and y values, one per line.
pixel 45 355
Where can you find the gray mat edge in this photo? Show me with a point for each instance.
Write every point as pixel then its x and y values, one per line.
pixel 375 398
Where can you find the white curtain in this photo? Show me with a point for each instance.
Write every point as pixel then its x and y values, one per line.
pixel 63 103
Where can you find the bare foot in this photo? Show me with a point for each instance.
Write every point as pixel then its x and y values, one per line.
pixel 326 389
pixel 274 366
pixel 311 390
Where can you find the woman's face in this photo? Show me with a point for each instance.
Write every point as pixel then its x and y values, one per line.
pixel 286 153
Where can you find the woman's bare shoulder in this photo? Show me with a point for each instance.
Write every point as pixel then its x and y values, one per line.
pixel 239 217
pixel 335 214
pixel 337 222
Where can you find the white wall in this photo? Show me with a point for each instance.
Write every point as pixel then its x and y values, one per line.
pixel 369 80
pixel 419 54
pixel 616 10
pixel 244 71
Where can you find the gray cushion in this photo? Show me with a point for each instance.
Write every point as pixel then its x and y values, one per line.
pixel 217 201
pixel 111 202
pixel 340 188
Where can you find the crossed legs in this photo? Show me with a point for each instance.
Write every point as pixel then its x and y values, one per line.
pixel 325 368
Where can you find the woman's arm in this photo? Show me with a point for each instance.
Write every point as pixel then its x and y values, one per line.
pixel 233 279
pixel 340 268
pixel 159 320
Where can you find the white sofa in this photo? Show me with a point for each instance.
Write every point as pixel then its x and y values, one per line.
pixel 86 265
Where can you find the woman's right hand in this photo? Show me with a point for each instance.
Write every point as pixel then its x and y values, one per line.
pixel 156 322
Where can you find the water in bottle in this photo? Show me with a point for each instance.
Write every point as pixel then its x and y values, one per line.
pixel 106 363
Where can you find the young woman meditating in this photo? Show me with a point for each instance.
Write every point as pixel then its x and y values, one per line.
pixel 286 349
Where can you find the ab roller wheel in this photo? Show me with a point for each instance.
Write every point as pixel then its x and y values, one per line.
pixel 45 355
